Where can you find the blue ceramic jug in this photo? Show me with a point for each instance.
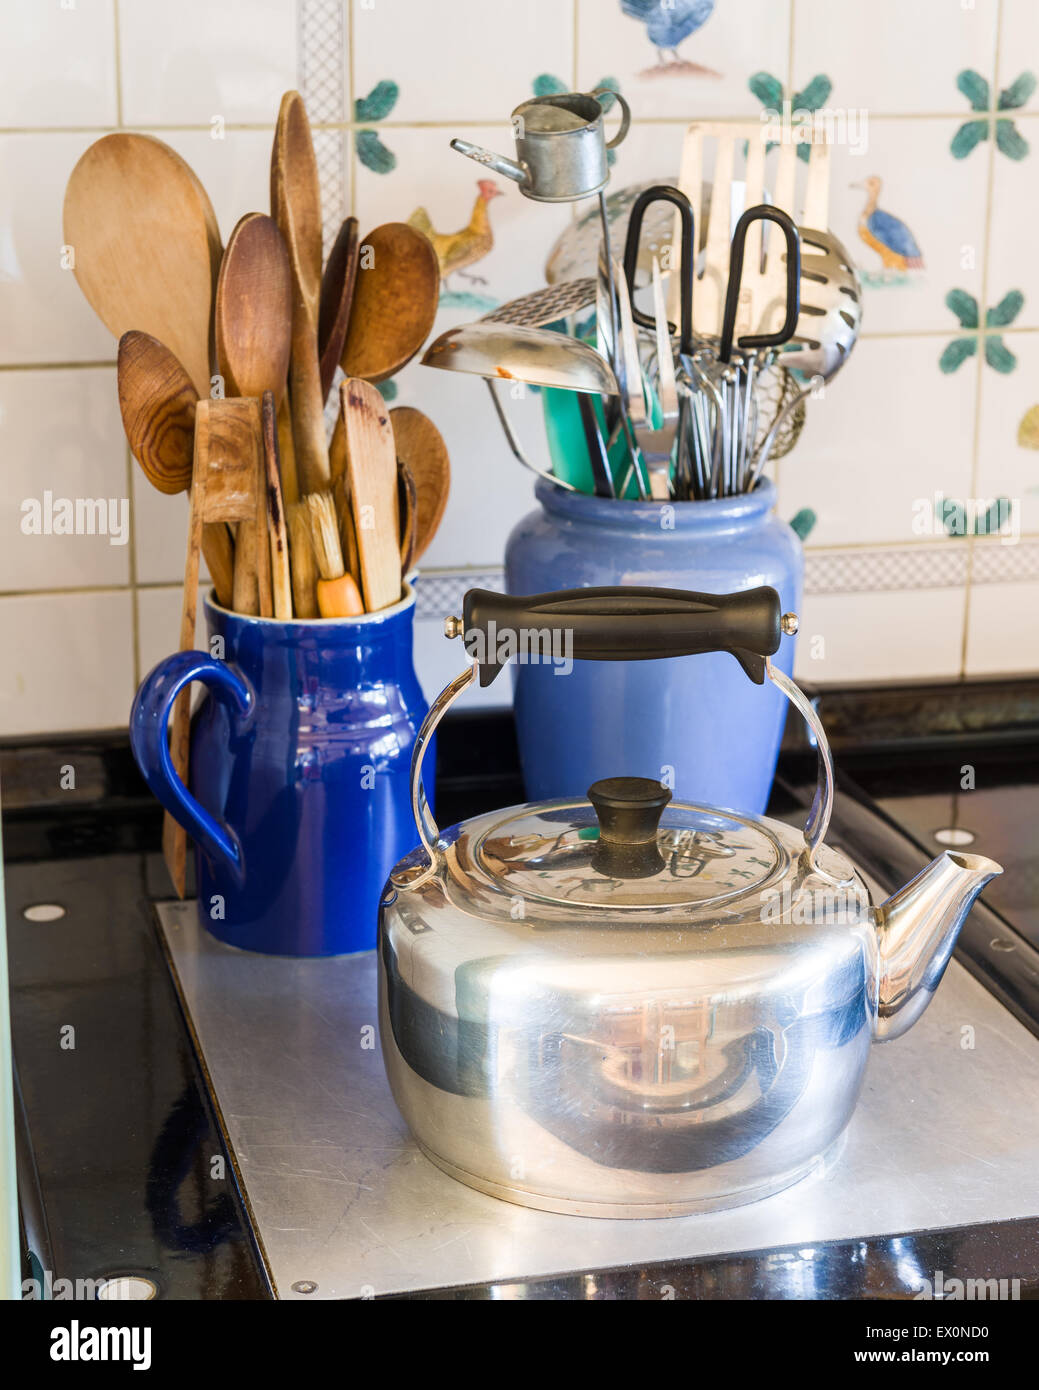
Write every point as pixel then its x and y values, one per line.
pixel 694 723
pixel 299 769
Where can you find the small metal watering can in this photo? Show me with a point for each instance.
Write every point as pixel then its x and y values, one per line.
pixel 560 146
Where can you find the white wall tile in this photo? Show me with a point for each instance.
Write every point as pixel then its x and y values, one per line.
pixel 471 61
pixel 1008 456
pixel 57 63
pixel 890 430
pixel 184 63
pixel 1018 43
pixel 158 625
pixel 1003 629
pixel 43 314
pixel 715 60
pixel 896 636
pixel 1012 260
pixel 160 532
pixel 60 433
pixel 890 56
pixel 235 171
pixel 69 663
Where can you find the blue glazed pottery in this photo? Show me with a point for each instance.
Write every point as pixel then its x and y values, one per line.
pixel 300 760
pixel 694 722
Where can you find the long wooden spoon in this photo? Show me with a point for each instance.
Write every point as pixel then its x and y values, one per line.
pixel 394 303
pixel 420 445
pixel 158 404
pixel 337 294
pixel 141 229
pixel 253 314
pixel 296 206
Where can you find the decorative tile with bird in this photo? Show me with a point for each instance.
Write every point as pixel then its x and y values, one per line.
pixel 888 236
pixel 667 27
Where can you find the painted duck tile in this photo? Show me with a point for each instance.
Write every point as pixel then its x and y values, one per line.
pixel 892 57
pixel 686 59
pixel 912 219
pixel 467 61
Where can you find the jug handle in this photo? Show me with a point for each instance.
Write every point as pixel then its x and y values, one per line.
pixel 625 115
pixel 613 624
pixel 148 739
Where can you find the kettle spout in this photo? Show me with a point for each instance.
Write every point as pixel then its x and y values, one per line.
pixel 508 168
pixel 916 930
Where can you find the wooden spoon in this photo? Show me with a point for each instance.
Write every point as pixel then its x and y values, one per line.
pixel 337 293
pixel 141 228
pixel 253 313
pixel 395 302
pixel 158 404
pixel 253 324
pixel 296 206
pixel 407 505
pixel 419 444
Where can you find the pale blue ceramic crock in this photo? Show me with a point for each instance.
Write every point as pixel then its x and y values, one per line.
pixel 694 722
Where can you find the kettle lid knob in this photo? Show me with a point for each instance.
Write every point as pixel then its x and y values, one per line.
pixel 628 809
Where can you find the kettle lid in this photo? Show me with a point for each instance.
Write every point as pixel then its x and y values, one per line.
pixel 628 846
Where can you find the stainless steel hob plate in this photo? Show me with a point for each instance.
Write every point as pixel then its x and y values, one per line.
pixel 345 1205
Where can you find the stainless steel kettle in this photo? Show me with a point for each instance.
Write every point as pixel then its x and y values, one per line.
pixel 628 1006
pixel 560 146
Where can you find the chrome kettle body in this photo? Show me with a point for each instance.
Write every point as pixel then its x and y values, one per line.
pixel 628 1006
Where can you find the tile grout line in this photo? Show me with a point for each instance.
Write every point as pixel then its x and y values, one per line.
pixel 351 109
pixel 118 61
pixel 135 621
pixel 990 145
pixel 247 127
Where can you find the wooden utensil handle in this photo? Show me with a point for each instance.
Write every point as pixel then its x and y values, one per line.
pixel 308 411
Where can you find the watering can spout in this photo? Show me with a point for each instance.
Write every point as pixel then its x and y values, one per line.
pixel 917 929
pixel 508 168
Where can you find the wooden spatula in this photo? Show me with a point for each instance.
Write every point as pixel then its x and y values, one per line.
pixel 296 206
pixel 371 469
pixel 141 229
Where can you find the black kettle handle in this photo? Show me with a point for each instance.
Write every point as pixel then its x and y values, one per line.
pixel 616 624
pixel 620 624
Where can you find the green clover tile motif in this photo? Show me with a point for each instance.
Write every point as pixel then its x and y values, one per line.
pixel 769 91
pixel 802 523
pixel 957 520
pixel 1009 140
pixel 376 106
pixel 997 354
pixel 546 84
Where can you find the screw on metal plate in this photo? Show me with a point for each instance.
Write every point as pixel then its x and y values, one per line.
pixel 127 1287
pixel 953 835
pixel 453 627
pixel 789 623
pixel 43 912
pixel 304 1286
